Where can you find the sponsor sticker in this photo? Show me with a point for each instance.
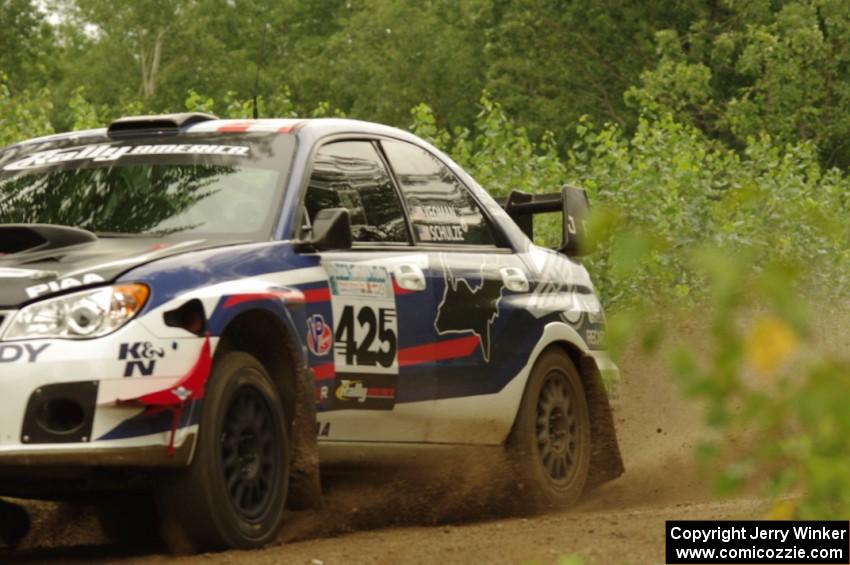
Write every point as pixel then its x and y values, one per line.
pixel 106 153
pixel 363 302
pixel 26 353
pixel 63 284
pixel 359 393
pixel 319 335
pixel 141 357
pixel 351 279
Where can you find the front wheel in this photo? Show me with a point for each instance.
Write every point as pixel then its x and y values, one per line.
pixel 550 445
pixel 234 492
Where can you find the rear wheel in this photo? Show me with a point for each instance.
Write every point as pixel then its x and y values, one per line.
pixel 550 445
pixel 234 492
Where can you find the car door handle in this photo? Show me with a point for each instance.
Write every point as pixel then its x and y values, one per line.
pixel 410 277
pixel 514 279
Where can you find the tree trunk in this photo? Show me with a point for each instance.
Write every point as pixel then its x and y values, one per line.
pixel 150 64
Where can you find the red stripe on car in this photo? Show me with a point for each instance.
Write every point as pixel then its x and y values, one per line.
pixel 317 295
pixel 438 351
pixel 398 290
pixel 238 127
pixel 324 372
pixel 290 296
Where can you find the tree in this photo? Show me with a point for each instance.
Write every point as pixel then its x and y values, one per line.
pixel 28 47
pixel 759 67
pixel 552 61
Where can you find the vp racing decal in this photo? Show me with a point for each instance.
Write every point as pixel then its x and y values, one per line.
pixel 319 335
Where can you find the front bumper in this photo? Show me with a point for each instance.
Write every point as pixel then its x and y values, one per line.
pixel 99 454
pixel 76 402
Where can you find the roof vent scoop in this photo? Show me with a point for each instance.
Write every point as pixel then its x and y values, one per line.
pixel 163 124
pixel 15 238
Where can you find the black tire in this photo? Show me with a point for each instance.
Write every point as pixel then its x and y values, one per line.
pixel 233 494
pixel 550 444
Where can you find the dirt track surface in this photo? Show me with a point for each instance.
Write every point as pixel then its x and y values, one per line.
pixel 379 517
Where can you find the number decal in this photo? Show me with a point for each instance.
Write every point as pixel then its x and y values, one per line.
pixel 344 337
pixel 364 313
pixel 356 343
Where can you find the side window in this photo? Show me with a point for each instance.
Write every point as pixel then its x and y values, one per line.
pixel 351 175
pixel 440 206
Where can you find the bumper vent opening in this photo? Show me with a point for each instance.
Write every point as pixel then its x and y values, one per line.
pixel 60 416
pixel 60 413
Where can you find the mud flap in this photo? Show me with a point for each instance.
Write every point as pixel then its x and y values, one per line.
pixel 606 462
pixel 305 486
pixel 14 524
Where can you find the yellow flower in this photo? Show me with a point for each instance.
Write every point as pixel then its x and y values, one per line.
pixel 771 343
pixel 782 510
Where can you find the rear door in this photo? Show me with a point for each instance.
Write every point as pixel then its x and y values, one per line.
pixel 481 333
pixel 375 293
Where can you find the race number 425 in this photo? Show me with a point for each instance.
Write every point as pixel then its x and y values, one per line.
pixel 366 337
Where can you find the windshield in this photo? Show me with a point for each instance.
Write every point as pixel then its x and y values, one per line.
pixel 195 185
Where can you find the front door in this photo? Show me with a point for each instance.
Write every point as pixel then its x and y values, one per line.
pixel 360 334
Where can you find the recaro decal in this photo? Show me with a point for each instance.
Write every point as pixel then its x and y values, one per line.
pixel 29 353
pixel 63 284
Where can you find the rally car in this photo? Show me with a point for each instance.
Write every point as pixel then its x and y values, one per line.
pixel 212 307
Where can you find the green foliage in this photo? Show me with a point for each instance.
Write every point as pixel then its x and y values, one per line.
pixel 675 190
pixel 712 126
pixel 668 188
pixel 28 45
pixel 765 383
pixel 23 115
pixel 552 62
pixel 499 154
pixel 758 68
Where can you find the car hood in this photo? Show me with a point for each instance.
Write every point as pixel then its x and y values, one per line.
pixel 36 274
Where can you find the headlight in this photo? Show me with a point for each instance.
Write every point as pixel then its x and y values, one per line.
pixel 91 313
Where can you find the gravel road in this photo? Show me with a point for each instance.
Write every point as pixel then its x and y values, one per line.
pixel 380 516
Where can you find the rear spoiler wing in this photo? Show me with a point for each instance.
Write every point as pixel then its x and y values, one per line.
pixel 571 201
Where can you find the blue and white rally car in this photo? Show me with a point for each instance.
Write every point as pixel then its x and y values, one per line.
pixel 212 307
